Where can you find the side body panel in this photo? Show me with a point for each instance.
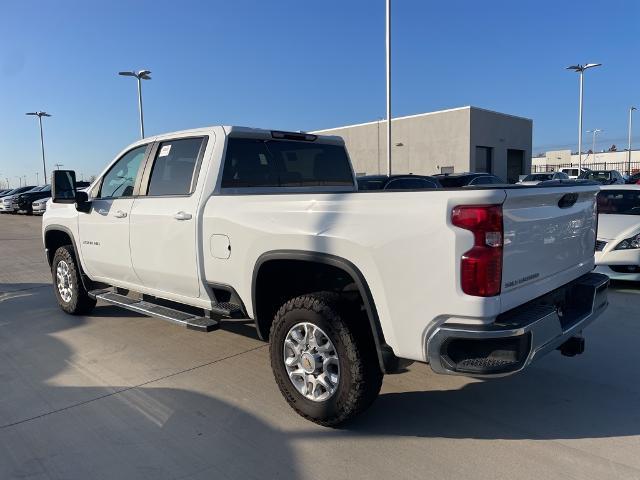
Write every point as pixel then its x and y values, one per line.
pixel 103 238
pixel 399 242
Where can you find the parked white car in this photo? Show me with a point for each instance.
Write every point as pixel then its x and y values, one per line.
pixel 536 178
pixel 346 285
pixel 40 206
pixel 618 244
pixel 573 172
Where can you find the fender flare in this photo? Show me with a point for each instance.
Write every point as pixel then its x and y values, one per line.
pixel 387 359
pixel 61 228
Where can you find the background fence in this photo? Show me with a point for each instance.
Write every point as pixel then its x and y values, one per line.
pixel 622 167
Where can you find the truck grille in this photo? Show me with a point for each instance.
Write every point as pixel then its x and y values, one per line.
pixel 600 244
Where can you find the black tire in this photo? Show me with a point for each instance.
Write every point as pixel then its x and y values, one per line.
pixel 348 329
pixel 80 303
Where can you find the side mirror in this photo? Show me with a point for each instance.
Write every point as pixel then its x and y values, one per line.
pixel 63 186
pixel 82 202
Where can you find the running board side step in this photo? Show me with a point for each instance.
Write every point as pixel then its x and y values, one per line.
pixel 193 322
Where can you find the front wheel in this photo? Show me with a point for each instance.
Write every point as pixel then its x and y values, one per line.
pixel 67 284
pixel 323 358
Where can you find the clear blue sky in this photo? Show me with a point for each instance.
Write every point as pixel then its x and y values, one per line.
pixel 291 64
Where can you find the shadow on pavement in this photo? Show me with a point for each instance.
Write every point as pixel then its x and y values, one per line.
pixel 536 405
pixel 109 431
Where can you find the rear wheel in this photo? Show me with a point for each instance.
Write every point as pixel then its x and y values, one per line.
pixel 324 359
pixel 67 284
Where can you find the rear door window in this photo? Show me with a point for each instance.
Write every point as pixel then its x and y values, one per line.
pixel 174 167
pixel 284 163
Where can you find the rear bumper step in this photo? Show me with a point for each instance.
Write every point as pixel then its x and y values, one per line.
pixel 193 322
pixel 519 336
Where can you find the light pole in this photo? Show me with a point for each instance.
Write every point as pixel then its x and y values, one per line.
pixel 631 109
pixel 19 180
pixel 58 165
pixel 38 179
pixel 594 132
pixel 140 75
pixel 40 115
pixel 388 47
pixel 580 69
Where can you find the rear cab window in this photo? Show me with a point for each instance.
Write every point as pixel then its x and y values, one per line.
pixel 257 162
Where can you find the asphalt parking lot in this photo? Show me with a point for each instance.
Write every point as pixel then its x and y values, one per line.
pixel 116 395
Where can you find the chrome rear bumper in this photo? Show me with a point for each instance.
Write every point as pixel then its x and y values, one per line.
pixel 519 336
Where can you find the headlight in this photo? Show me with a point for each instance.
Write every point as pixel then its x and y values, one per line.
pixel 627 243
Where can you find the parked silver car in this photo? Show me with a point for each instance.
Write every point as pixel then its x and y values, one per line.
pixel 536 178
pixel 40 206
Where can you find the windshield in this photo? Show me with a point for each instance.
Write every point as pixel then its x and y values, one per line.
pixel 453 182
pixel 370 184
pixel 538 177
pixel 619 202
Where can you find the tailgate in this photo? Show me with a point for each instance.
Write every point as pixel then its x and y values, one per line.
pixel 549 238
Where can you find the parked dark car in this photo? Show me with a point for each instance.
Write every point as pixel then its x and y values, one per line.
pixel 24 200
pixel 604 177
pixel 397 182
pixel 635 178
pixel 457 180
pixel 10 191
pixel 7 205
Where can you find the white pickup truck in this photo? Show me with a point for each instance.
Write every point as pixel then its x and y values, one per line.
pixel 228 222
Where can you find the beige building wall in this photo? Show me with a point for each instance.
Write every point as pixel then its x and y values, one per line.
pixel 558 157
pixel 430 142
pixel 502 133
pixel 422 144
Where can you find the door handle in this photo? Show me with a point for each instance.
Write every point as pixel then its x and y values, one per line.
pixel 182 216
pixel 120 214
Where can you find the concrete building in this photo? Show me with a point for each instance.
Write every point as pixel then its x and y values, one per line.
pixel 457 140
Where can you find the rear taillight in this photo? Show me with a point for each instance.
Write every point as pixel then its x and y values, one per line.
pixel 481 267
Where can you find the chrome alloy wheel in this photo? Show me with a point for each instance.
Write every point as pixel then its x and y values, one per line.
pixel 65 285
pixel 311 361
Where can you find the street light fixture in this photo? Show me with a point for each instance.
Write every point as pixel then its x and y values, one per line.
pixel 580 69
pixel 139 75
pixel 631 109
pixel 595 131
pixel 40 115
